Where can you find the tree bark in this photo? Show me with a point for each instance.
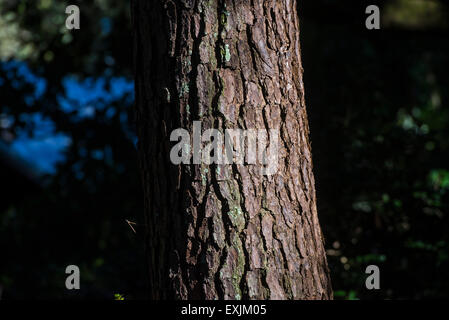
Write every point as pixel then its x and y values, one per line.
pixel 226 231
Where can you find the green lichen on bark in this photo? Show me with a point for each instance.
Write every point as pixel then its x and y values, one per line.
pixel 239 269
pixel 237 217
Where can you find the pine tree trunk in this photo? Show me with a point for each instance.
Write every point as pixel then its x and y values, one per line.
pixel 226 231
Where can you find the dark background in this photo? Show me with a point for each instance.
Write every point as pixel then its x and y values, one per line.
pixel 379 117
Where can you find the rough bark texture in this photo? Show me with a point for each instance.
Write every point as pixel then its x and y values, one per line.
pixel 226 232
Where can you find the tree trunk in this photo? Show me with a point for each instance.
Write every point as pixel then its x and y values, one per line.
pixel 226 231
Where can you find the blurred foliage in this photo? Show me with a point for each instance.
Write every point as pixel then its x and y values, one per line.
pixel 416 14
pixel 76 215
pixel 118 296
pixel 379 117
